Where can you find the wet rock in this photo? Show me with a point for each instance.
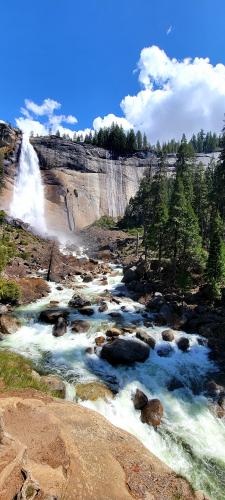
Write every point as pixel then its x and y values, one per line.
pixel 125 352
pixel 202 341
pixel 140 400
pixel 80 326
pixel 113 332
pixel 145 337
pixel 86 311
pixel 87 279
pixel 59 329
pixel 92 391
pixel 168 335
pixel 148 323
pixel 103 307
pixel 55 384
pixel 100 340
pixel 213 389
pixel 78 301
pixel 53 303
pixel 156 303
pixel 59 288
pixel 152 413
pixel 51 315
pixel 9 324
pixel 183 344
pixel 115 314
pixel 165 350
pixel 175 384
pixel 117 300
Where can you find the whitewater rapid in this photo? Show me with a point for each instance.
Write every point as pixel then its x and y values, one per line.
pixel 191 439
pixel 28 196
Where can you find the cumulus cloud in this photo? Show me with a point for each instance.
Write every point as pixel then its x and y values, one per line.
pixel 46 111
pixel 176 96
pixel 107 121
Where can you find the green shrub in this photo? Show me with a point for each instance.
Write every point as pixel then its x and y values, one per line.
pixel 106 222
pixel 16 373
pixel 9 291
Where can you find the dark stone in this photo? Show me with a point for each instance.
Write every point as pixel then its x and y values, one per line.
pixel 125 352
pixel 145 337
pixel 113 332
pixel 168 335
pixel 80 326
pixel 183 344
pixel 51 315
pixel 165 350
pixel 59 329
pixel 103 307
pixel 78 301
pixel 140 400
pixel 152 413
pixel 86 311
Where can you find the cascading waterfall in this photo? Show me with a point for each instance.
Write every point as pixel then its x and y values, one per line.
pixel 28 196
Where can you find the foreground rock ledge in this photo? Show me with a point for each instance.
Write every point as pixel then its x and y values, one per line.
pixel 62 450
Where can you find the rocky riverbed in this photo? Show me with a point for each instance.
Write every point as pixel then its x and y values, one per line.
pixel 105 347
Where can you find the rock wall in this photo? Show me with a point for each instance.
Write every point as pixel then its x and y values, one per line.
pixel 10 144
pixel 83 183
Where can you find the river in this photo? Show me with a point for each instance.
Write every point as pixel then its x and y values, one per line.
pixel 190 439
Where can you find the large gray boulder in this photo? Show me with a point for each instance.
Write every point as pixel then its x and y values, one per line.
pixel 125 352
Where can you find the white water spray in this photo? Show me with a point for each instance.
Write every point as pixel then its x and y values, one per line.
pixel 28 196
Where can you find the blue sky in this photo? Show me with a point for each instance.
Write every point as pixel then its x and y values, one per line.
pixel 83 53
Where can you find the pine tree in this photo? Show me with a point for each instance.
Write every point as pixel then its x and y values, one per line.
pixel 131 144
pixel 185 166
pixel 139 139
pixel 145 142
pixel 183 231
pixel 159 210
pixel 215 269
pixel 219 180
pixel 201 201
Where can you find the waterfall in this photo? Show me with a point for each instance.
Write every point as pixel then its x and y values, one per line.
pixel 28 196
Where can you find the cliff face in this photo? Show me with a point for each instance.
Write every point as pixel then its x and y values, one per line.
pixel 10 144
pixel 83 182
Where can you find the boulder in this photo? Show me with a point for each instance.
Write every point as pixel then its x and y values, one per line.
pixel 55 384
pixel 125 352
pixel 175 384
pixel 166 312
pixel 59 329
pixel 140 400
pixel 168 335
pixel 89 350
pixel 9 324
pixel 74 452
pixel 86 310
pixel 115 314
pixel 80 326
pixel 87 279
pixel 183 344
pixel 145 337
pixel 213 389
pixel 152 413
pixel 113 332
pixel 78 301
pixel 51 315
pixel 128 329
pixel 103 307
pixel 165 350
pixel 99 340
pixel 130 274
pixel 92 391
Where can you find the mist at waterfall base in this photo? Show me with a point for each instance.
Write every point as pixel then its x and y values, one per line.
pixel 28 197
pixel 191 439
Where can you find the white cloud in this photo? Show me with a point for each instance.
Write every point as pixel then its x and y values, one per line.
pixel 168 31
pixel 28 122
pixel 46 108
pixel 177 96
pixel 107 121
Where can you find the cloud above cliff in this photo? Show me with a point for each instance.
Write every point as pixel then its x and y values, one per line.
pixel 33 112
pixel 174 97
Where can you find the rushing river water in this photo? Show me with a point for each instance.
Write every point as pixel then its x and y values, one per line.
pixel 191 439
